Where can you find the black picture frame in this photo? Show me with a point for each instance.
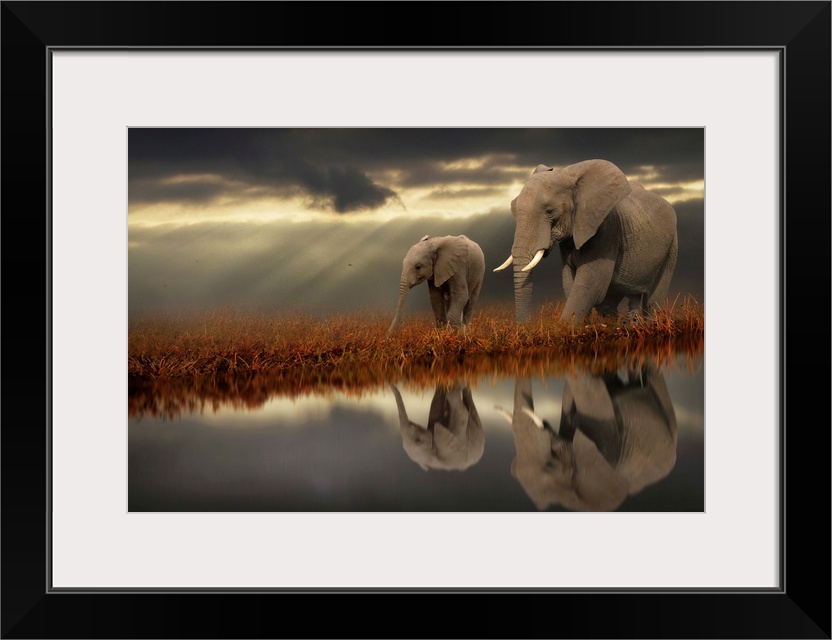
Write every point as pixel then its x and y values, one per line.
pixel 799 31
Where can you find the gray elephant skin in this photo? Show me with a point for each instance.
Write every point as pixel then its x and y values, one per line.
pixel 453 267
pixel 618 242
pixel 452 439
pixel 616 436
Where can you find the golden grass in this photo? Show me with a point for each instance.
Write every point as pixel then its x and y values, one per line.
pixel 225 342
pixel 179 363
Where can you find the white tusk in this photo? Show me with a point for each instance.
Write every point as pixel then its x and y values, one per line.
pixel 537 258
pixel 535 418
pixel 505 264
pixel 503 413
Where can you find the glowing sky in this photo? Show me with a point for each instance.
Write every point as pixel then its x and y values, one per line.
pixel 319 219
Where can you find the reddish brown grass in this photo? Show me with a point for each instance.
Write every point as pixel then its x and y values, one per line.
pixel 180 363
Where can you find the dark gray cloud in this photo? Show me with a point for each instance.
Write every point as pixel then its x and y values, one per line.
pixel 335 166
pixel 349 190
pixel 245 161
pixel 149 191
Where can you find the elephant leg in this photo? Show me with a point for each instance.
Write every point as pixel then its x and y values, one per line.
pixel 438 405
pixel 437 301
pixel 456 297
pixel 568 277
pixel 658 295
pixel 456 309
pixel 468 311
pixel 589 288
pixel 634 309
pixel 567 271
pixel 611 305
pixel 457 413
pixel 625 308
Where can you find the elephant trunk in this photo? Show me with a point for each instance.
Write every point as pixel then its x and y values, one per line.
pixel 522 290
pixel 404 289
pixel 404 422
pixel 532 237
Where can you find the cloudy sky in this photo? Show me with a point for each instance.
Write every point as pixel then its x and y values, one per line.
pixel 318 220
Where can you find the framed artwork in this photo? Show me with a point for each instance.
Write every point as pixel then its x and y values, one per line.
pixel 230 214
pixel 303 257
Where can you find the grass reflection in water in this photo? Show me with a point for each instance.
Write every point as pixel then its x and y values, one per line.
pixel 190 365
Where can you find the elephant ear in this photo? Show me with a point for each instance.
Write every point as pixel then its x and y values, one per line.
pixel 541 167
pixel 599 186
pixel 451 256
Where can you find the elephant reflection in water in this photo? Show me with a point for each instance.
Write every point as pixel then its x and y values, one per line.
pixel 617 434
pixel 452 438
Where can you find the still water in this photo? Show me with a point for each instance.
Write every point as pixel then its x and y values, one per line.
pixel 629 440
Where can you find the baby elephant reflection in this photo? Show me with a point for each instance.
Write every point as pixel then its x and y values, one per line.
pixel 453 437
pixel 617 435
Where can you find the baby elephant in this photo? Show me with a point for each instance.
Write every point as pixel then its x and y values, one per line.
pixel 453 267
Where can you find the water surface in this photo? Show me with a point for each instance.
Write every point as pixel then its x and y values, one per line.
pixel 627 440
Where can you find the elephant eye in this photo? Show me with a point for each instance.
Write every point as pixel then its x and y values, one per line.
pixel 418 266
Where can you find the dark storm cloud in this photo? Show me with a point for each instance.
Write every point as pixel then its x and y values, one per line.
pixel 194 192
pixel 334 166
pixel 512 154
pixel 628 147
pixel 347 189
pixel 240 161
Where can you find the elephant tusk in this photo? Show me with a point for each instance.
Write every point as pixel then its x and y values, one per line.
pixel 505 264
pixel 503 413
pixel 535 418
pixel 537 258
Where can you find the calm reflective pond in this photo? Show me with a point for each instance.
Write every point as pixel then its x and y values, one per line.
pixel 628 440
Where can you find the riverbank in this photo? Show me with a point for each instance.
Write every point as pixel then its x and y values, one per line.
pixel 225 342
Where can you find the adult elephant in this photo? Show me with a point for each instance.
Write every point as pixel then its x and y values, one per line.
pixel 453 437
pixel 617 434
pixel 617 240
pixel 453 267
